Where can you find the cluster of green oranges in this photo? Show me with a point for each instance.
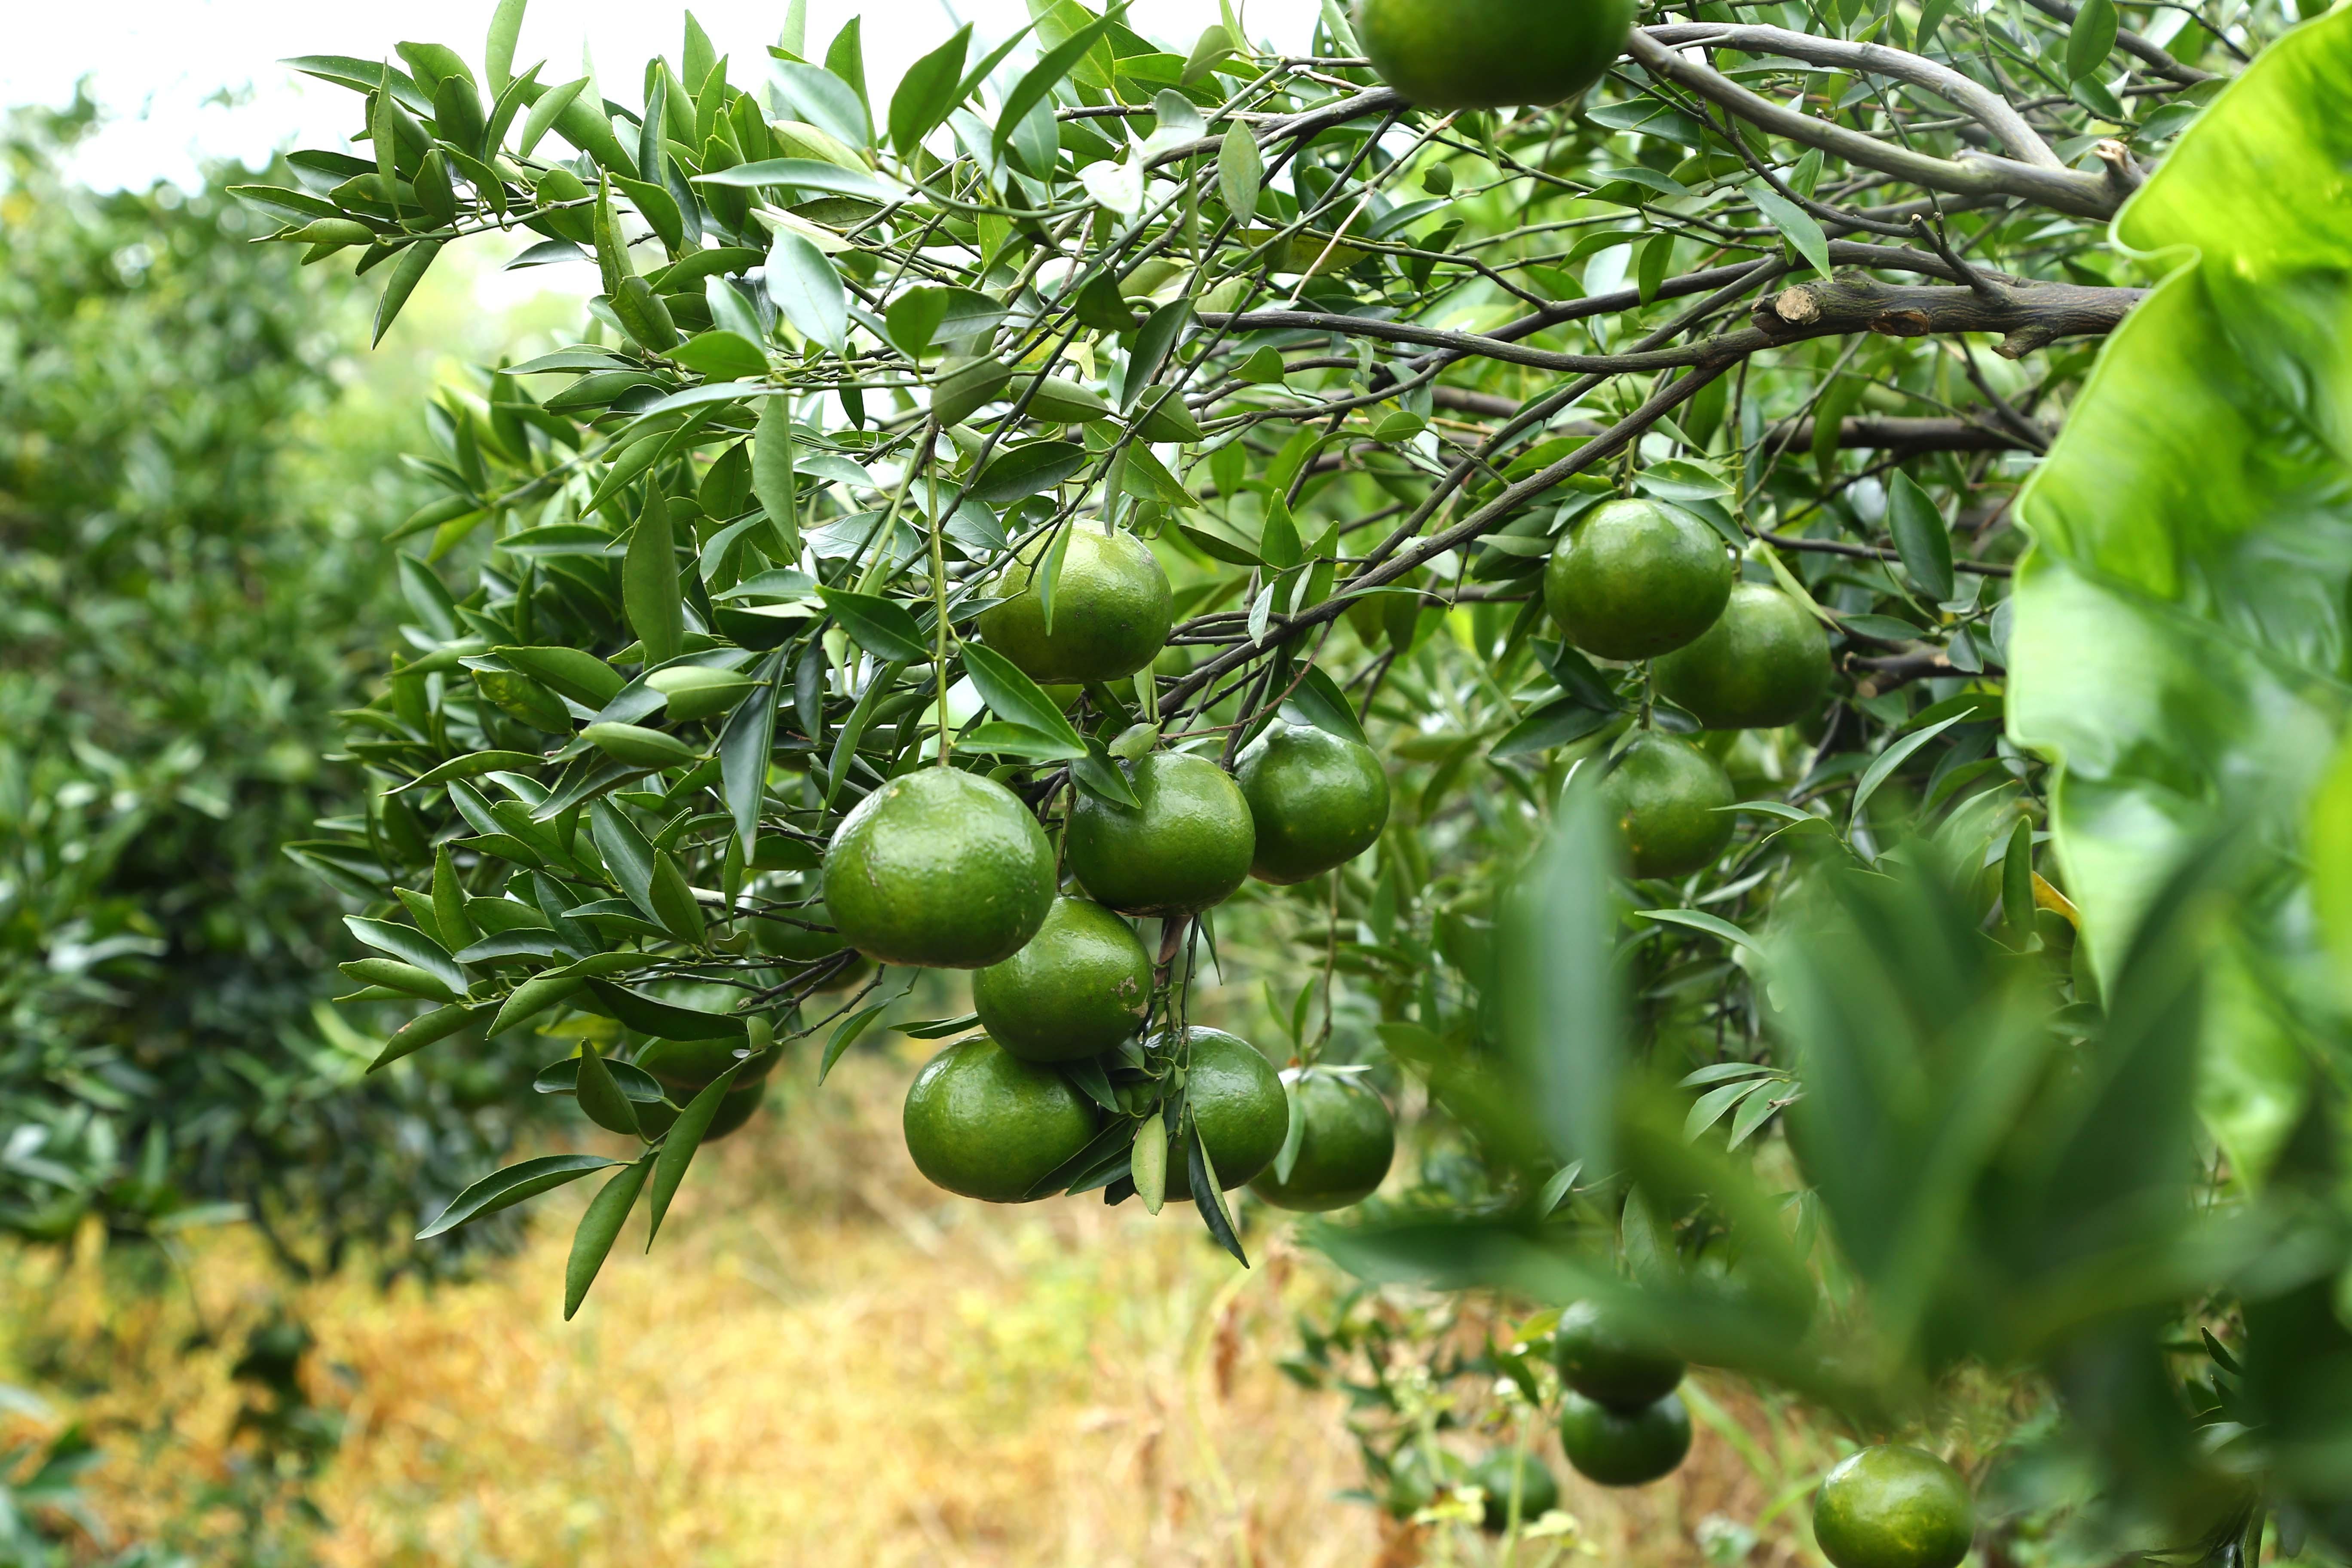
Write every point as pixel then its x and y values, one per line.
pixel 1622 1423
pixel 946 869
pixel 1641 579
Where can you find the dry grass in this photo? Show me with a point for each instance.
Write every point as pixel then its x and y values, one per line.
pixel 827 1361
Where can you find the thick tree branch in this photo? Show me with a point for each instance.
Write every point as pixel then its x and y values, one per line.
pixel 2062 190
pixel 2029 317
pixel 1988 108
pixel 1893 434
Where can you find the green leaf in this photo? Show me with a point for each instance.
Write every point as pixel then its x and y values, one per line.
pixel 1040 79
pixel 1882 767
pixel 497 50
pixel 638 746
pixel 1102 777
pixel 1148 1163
pixel 845 1035
pixel 504 1189
pixel 551 107
pixel 601 1100
pixel 807 289
pixel 744 747
pixel 1027 470
pixel 1796 226
pixel 406 274
pixel 1698 919
pixel 2017 882
pixel 599 1228
pixel 927 92
pixel 1153 343
pixel 825 100
pixel 1201 1175
pixel 1920 537
pixel 1010 695
pixel 627 856
pixel 649 586
pixel 805 174
pixel 680 1143
pixel 1214 44
pixel 412 946
pixel 572 672
pixel 665 1020
pixel 2092 38
pixel 1318 701
pixel 771 473
pixel 1241 172
pixel 881 627
pixel 363 76
pixel 2179 624
pixel 533 997
pixel 423 1030
pixel 1556 723
pixel 1021 741
pixel 724 354
pixel 675 907
pixel 1285 1159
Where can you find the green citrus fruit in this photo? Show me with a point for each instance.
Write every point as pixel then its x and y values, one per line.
pixel 1892 1507
pixel 1666 795
pixel 1235 1098
pixel 1076 990
pixel 735 1108
pixel 1637 578
pixel 989 1125
pixel 1764 663
pixel 1343 1153
pixel 1317 800
pixel 1539 1491
pixel 1482 54
pixel 939 867
pixel 1186 846
pixel 1111 610
pixel 1601 1363
pixel 1623 1448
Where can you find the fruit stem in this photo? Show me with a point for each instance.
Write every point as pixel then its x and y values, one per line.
pixel 1649 688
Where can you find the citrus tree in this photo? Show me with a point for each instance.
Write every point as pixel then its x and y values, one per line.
pixel 1132 521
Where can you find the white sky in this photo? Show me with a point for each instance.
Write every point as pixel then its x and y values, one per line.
pixel 160 67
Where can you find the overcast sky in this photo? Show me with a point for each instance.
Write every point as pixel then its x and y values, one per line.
pixel 161 67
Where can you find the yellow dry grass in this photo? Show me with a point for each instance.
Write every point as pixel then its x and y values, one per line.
pixel 826 1361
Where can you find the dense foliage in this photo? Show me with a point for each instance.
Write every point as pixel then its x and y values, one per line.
pixel 191 586
pixel 1855 1084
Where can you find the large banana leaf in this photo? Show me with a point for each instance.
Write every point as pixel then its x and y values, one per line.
pixel 2182 626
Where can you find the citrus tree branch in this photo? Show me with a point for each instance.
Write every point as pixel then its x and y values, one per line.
pixel 1988 109
pixel 2027 316
pixel 1610 442
pixel 2062 190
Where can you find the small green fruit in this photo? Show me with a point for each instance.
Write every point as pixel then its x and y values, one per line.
pixel 1637 578
pixel 1666 797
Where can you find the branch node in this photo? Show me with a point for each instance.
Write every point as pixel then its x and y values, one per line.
pixel 2124 174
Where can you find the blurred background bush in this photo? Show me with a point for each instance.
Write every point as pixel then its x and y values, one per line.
pixel 192 496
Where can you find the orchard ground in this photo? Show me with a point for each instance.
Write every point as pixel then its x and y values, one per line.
pixel 835 1364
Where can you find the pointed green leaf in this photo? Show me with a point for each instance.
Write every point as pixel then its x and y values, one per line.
pixel 601 1100
pixel 649 586
pixel 1920 537
pixel 504 1189
pixel 599 1228
pixel 680 1143
pixel 927 92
